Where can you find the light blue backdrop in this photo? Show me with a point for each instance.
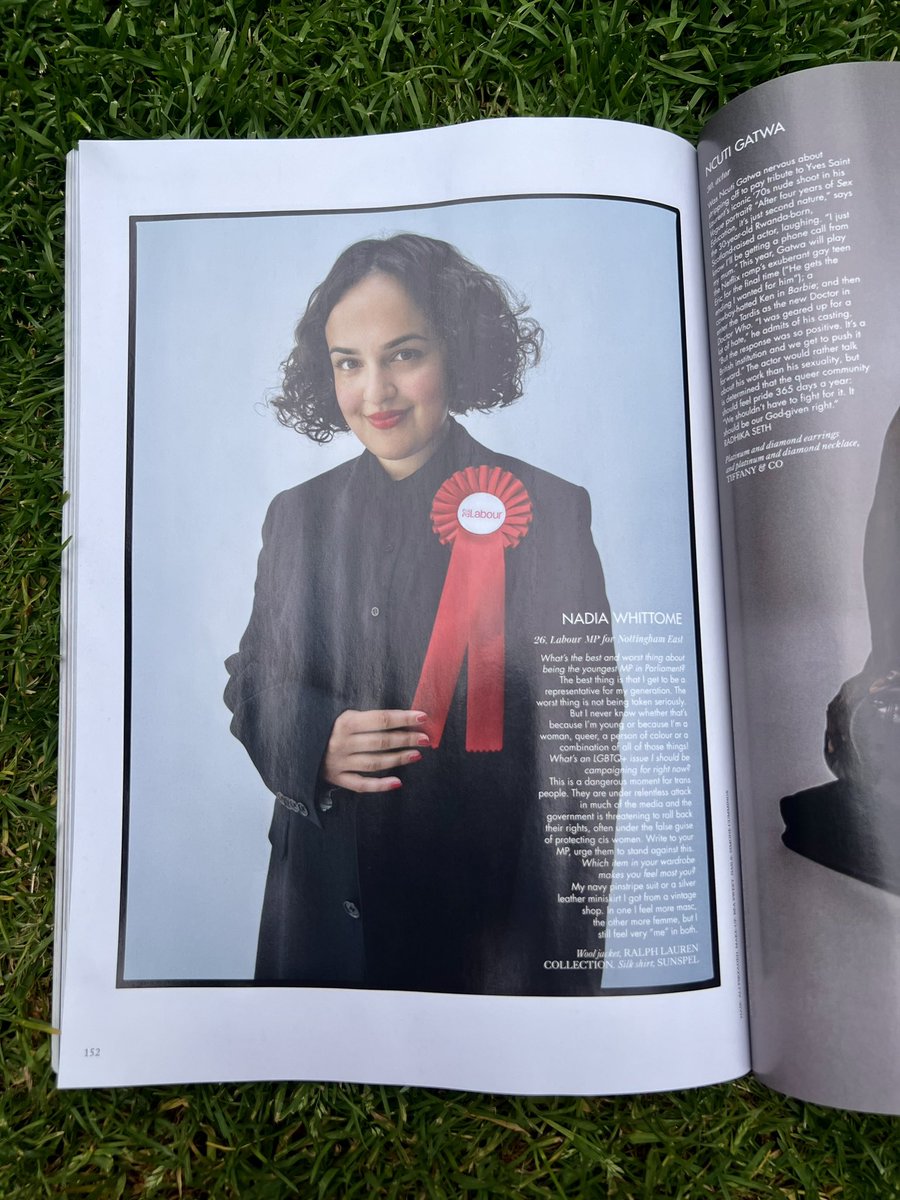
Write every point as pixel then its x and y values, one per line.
pixel 217 300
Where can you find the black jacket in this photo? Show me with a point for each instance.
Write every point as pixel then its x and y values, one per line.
pixel 446 884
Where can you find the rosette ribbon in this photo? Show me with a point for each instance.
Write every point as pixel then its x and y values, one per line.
pixel 480 512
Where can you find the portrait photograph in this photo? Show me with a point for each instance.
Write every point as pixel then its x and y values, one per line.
pixel 387 500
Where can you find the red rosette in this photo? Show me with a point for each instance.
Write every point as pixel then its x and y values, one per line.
pixel 492 481
pixel 480 512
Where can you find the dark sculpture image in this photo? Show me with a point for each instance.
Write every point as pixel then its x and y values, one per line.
pixel 387 685
pixel 852 824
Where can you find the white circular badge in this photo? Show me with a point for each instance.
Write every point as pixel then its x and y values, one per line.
pixel 481 513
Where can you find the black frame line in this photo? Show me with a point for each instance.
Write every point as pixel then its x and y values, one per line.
pixel 134 221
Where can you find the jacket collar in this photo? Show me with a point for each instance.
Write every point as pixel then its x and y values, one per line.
pixel 457 450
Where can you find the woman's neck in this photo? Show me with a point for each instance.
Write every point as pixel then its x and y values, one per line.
pixel 402 468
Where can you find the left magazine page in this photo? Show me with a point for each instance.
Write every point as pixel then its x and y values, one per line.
pixel 395 734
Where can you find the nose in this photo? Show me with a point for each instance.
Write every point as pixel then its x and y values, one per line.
pixel 378 386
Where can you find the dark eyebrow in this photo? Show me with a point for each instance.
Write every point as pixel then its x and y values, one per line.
pixel 394 342
pixel 407 337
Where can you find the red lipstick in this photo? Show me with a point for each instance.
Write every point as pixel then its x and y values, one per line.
pixel 386 420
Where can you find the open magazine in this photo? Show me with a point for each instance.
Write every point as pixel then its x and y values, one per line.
pixel 428 590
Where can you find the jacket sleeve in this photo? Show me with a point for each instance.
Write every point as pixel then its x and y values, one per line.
pixel 565 883
pixel 282 713
pixel 591 865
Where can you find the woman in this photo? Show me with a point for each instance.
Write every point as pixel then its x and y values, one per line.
pixel 399 725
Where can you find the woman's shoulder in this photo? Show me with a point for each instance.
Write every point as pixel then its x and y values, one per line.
pixel 537 481
pixel 311 497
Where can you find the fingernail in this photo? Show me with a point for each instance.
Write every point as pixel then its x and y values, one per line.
pixel 424 739
pixel 414 756
pixel 421 719
pixel 396 784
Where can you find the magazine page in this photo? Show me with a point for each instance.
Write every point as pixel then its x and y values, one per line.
pixel 395 537
pixel 798 184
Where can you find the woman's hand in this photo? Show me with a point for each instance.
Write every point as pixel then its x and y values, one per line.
pixel 375 740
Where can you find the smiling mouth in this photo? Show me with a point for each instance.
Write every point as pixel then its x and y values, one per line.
pixel 386 420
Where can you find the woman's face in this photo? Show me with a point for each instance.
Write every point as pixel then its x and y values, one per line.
pixel 389 373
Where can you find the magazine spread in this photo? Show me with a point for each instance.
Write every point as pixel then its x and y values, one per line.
pixel 395 537
pixel 436 499
pixel 798 183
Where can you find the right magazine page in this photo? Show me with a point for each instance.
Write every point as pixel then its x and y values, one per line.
pixel 799 189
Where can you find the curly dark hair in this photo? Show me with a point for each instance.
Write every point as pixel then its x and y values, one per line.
pixel 488 342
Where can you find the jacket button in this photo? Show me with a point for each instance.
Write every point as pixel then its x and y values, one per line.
pixel 302 809
pixel 375 610
pixel 351 910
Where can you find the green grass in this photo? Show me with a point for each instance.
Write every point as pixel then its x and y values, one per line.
pixel 252 69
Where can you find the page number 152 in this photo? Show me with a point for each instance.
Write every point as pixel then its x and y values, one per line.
pixel 92 1052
